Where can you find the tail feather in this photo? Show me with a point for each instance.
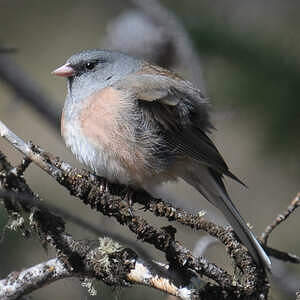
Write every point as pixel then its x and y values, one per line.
pixel 243 232
pixel 201 178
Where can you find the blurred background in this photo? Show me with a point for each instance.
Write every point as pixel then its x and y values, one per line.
pixel 244 55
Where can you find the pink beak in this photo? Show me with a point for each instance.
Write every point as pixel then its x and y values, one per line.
pixel 64 71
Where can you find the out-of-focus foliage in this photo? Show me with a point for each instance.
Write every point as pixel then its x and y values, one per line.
pixel 261 77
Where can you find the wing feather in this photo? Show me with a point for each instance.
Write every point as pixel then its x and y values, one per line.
pixel 181 113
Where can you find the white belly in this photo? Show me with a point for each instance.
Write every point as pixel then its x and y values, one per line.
pixel 96 159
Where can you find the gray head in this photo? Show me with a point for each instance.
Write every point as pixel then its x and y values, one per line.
pixel 92 70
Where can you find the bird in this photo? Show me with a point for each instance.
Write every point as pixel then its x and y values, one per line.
pixel 141 125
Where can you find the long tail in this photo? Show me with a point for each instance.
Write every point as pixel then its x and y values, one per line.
pixel 214 191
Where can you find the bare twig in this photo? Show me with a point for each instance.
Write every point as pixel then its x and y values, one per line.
pixel 280 218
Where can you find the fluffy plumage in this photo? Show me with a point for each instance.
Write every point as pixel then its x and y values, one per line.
pixel 139 124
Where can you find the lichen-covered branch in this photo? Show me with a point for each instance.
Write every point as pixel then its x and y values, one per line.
pixel 114 265
pixel 107 261
pixel 52 229
pixel 21 283
pixel 30 201
pixel 107 198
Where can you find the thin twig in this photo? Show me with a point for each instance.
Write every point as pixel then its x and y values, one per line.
pixel 280 218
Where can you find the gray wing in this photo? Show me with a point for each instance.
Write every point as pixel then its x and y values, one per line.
pixel 182 114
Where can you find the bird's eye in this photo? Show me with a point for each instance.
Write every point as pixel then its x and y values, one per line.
pixel 90 65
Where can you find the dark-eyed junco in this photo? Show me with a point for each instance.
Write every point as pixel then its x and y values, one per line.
pixel 141 125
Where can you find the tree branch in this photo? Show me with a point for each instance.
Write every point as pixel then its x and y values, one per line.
pixel 107 198
pixel 17 284
pixel 21 283
pixel 29 202
pixel 107 261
